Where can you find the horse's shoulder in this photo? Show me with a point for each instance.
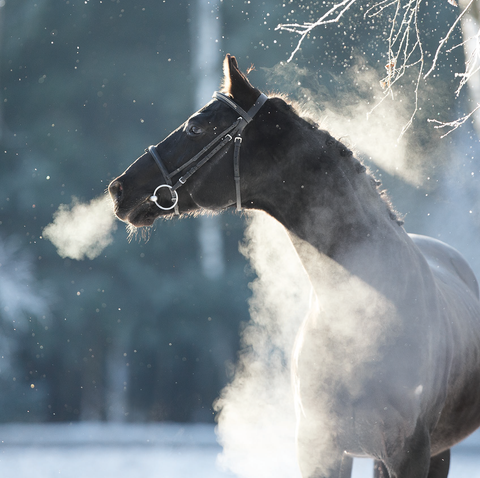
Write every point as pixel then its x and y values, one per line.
pixel 442 257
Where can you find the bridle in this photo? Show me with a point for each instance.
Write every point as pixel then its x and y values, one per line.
pixel 219 143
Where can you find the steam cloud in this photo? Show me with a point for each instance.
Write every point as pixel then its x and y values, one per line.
pixel 256 424
pixel 258 410
pixel 82 230
pixel 356 116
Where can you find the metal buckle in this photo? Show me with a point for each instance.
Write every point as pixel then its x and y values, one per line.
pixel 154 197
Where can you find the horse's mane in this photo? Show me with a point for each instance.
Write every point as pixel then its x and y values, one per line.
pixel 347 154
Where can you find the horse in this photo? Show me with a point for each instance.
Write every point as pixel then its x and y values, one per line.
pixel 386 363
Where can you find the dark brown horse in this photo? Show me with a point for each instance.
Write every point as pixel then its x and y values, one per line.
pixel 387 363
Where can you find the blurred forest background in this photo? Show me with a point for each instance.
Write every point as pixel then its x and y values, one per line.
pixel 145 331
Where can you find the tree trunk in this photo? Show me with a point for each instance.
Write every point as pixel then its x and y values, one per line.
pixel 206 62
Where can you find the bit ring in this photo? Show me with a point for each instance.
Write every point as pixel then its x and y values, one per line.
pixel 154 197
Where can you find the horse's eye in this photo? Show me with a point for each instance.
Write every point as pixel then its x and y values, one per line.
pixel 194 130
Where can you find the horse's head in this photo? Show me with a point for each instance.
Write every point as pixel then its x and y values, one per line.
pixel 195 166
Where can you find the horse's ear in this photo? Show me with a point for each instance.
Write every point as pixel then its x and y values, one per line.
pixel 235 83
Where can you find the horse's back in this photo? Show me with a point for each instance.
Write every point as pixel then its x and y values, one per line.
pixel 459 306
pixel 443 258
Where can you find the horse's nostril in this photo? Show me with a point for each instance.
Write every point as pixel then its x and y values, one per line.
pixel 116 190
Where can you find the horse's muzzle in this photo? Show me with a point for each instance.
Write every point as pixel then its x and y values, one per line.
pixel 115 189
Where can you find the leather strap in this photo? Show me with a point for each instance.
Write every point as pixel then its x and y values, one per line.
pixel 232 132
pixel 247 116
pixel 166 176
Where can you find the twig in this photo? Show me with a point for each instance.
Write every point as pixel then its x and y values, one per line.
pixel 471 64
pixel 447 37
pixel 405 49
pixel 453 124
pixel 306 28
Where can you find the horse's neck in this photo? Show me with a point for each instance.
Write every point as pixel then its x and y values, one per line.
pixel 365 289
pixel 352 235
pixel 372 264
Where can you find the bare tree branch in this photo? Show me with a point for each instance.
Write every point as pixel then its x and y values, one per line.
pixel 453 125
pixel 445 39
pixel 472 63
pixel 306 28
pixel 404 46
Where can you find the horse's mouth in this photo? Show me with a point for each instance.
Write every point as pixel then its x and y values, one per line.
pixel 142 215
pixel 141 219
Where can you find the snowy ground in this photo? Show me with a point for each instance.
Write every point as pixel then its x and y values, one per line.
pixel 94 450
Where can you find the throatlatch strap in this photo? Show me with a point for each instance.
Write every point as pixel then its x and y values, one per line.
pixel 236 170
